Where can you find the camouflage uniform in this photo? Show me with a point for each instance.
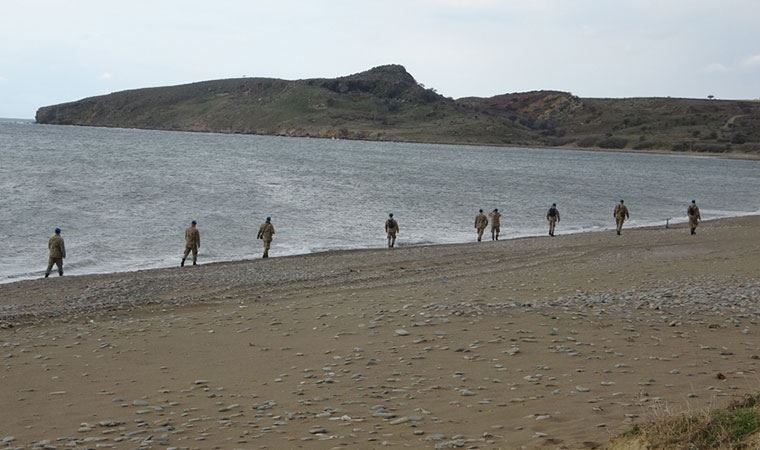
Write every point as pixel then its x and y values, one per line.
pixel 553 217
pixel 391 229
pixel 495 224
pixel 57 251
pixel 481 222
pixel 694 217
pixel 621 214
pixel 192 242
pixel 266 234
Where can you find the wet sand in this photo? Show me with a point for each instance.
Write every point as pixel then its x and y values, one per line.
pixel 532 343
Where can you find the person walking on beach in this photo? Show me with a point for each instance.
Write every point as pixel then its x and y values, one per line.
pixel 192 242
pixel 621 214
pixel 481 222
pixel 57 251
pixel 391 229
pixel 553 217
pixel 495 216
pixel 694 217
pixel 266 233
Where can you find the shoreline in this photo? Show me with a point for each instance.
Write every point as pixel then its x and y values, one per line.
pixel 558 342
pixel 745 156
pixel 381 248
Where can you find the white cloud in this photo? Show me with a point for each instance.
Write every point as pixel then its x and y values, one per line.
pixel 716 68
pixel 106 76
pixel 3 79
pixel 494 5
pixel 463 3
pixel 751 61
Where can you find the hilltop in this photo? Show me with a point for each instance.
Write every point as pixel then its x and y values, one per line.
pixel 387 103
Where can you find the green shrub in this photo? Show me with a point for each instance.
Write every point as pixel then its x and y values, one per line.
pixel 588 141
pixel 645 145
pixel 612 142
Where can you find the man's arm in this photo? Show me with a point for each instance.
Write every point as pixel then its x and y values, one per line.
pixel 63 249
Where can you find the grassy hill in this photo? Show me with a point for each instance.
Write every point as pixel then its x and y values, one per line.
pixel 387 103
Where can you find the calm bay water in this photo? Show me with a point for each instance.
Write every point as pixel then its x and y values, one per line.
pixel 124 197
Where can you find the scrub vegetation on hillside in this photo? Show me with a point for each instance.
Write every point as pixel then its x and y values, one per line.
pixel 387 103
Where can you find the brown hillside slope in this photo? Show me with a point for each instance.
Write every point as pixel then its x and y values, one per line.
pixel 387 103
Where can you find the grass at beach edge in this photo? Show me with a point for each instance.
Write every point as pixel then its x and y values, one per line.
pixel 735 426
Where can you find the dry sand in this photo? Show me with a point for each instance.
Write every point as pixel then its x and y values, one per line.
pixel 532 343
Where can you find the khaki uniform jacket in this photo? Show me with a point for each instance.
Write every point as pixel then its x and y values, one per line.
pixel 266 231
pixel 192 238
pixel 620 212
pixel 391 226
pixel 481 221
pixel 554 218
pixel 56 247
pixel 693 212
pixel 495 219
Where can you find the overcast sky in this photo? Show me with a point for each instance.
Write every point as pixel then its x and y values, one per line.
pixel 53 51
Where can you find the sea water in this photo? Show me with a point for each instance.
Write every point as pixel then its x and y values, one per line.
pixel 124 197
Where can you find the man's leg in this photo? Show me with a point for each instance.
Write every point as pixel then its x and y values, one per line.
pixel 59 263
pixel 480 234
pixel 619 226
pixel 195 255
pixel 184 257
pixel 51 261
pixel 267 244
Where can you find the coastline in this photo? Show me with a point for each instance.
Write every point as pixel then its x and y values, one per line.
pixel 564 341
pixel 731 155
pixel 432 251
pixel 380 247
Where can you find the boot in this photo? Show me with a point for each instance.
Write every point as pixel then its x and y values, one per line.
pixel 47 275
pixel 182 264
pixel 266 255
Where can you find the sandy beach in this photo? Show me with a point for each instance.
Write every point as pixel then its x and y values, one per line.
pixel 557 343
